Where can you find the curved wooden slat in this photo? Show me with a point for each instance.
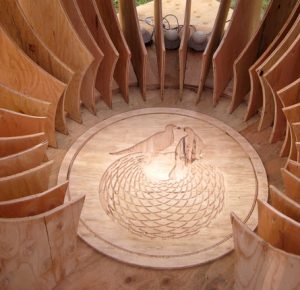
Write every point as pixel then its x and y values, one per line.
pixel 73 11
pixel 34 204
pixel 267 116
pixel 184 46
pixel 16 25
pixel 213 42
pixel 292 114
pixel 284 204
pixel 12 145
pixel 160 45
pixel 283 72
pixel 244 21
pixel 96 26
pixel 276 22
pixel 293 167
pixel 289 96
pixel 258 265
pixel 20 73
pixel 39 250
pixel 61 38
pixel 23 160
pixel 111 23
pixel 277 229
pixel 26 183
pixel 17 124
pixel 292 184
pixel 131 29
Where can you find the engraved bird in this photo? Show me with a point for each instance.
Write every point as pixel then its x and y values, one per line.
pixel 153 144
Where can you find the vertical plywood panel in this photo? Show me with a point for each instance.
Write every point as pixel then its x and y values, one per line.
pixel 292 184
pixel 244 22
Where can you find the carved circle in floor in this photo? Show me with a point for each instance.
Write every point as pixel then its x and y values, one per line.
pixel 160 184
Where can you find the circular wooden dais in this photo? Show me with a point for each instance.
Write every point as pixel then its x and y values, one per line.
pixel 160 185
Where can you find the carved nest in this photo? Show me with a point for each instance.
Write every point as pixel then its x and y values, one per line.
pixel 165 209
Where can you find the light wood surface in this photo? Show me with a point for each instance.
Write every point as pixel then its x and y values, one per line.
pixel 16 124
pixel 164 132
pixel 267 115
pixel 23 160
pixel 213 42
pixel 258 265
pixel 160 45
pixel 61 38
pixel 277 229
pixel 16 25
pixel 39 250
pixel 282 73
pixel 268 35
pixel 72 9
pixel 292 184
pixel 112 25
pixel 26 183
pixel 30 79
pixel 183 49
pixel 296 131
pixel 34 204
pixel 244 21
pixel 284 204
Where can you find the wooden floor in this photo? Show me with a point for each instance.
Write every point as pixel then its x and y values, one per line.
pixel 96 271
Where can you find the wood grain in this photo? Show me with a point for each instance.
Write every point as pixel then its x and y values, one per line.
pixel 282 73
pixel 26 183
pixel 61 38
pixel 16 25
pixel 160 45
pixel 258 265
pixel 96 26
pixel 12 145
pixel 34 204
pixel 284 204
pixel 131 29
pixel 273 27
pixel 23 160
pixel 20 73
pixel 72 9
pixel 267 115
pixel 112 25
pixel 292 184
pixel 244 21
pixel 213 42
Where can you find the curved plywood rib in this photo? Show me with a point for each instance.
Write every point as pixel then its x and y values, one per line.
pixel 258 265
pixel 95 24
pixel 111 23
pixel 20 73
pixel 289 96
pixel 160 45
pixel 292 114
pixel 34 204
pixel 213 42
pixel 85 35
pixel 244 21
pixel 292 184
pixel 23 160
pixel 277 229
pixel 61 38
pixel 284 71
pixel 284 204
pixel 184 46
pixel 42 248
pixel 16 25
pixel 17 124
pixel 12 145
pixel 267 116
pixel 26 183
pixel 131 29
pixel 293 167
pixel 273 27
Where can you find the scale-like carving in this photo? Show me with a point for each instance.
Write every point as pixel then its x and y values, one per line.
pixel 135 194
